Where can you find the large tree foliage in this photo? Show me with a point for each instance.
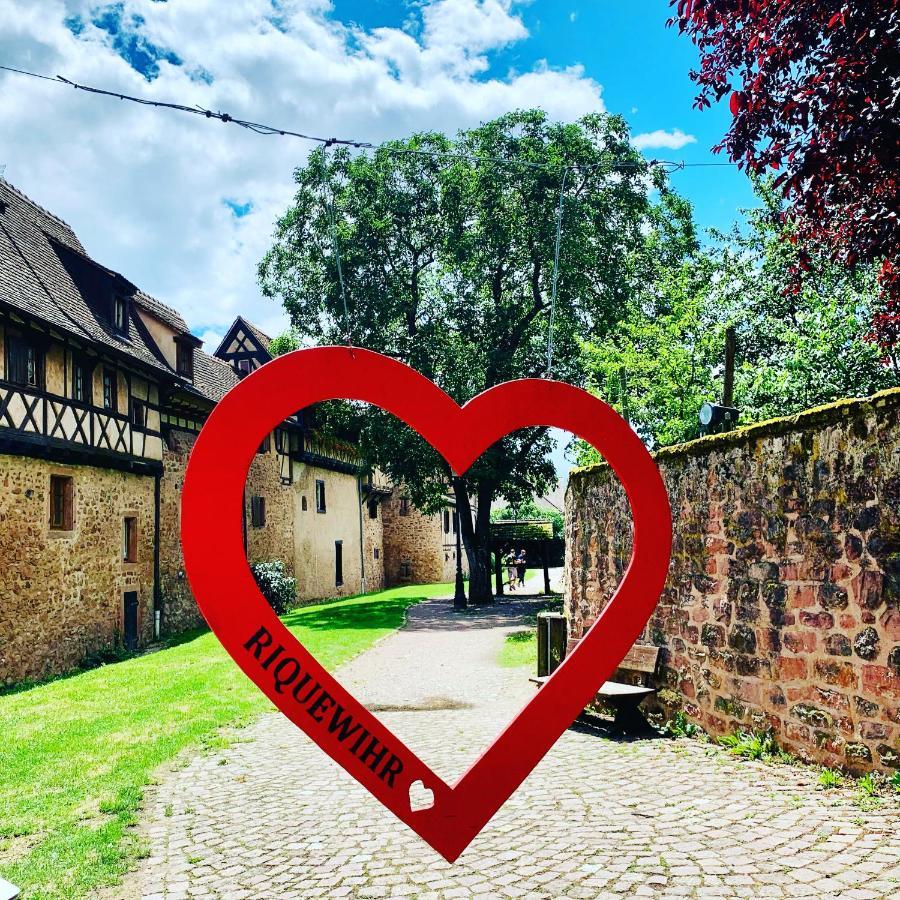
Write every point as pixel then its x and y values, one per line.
pixel 447 247
pixel 795 350
pixel 814 87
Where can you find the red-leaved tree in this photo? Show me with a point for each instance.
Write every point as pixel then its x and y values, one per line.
pixel 814 88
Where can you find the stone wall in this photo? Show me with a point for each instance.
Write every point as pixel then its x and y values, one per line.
pixel 416 549
pixel 61 592
pixel 272 541
pixel 179 610
pixel 373 547
pixel 275 539
pixel 782 606
pixel 316 534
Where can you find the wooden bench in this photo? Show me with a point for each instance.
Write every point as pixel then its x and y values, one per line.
pixel 624 696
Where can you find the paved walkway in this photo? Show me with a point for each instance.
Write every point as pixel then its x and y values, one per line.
pixel 273 817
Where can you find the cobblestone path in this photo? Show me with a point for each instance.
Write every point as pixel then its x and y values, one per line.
pixel 273 817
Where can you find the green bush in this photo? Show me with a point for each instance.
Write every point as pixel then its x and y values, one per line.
pixel 279 589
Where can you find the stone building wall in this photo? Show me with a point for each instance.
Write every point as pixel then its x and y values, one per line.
pixel 416 549
pixel 272 541
pixel 782 606
pixel 373 547
pixel 61 592
pixel 275 539
pixel 317 533
pixel 179 610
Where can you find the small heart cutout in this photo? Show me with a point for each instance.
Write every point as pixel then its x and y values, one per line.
pixel 282 668
pixel 420 797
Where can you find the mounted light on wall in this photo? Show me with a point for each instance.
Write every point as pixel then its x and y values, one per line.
pixel 715 418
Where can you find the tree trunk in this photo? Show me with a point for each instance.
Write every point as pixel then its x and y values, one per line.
pixel 476 538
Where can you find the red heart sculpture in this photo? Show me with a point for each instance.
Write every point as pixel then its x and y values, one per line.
pixel 290 676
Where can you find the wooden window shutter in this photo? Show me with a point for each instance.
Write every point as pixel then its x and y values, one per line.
pixel 69 504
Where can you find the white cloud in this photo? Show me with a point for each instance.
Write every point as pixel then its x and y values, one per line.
pixel 670 140
pixel 146 189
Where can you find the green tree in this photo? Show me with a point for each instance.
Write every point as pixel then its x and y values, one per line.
pixel 286 342
pixel 447 263
pixel 797 347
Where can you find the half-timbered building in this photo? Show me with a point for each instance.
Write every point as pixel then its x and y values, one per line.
pixel 103 390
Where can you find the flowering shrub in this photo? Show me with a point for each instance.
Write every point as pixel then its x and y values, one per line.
pixel 276 586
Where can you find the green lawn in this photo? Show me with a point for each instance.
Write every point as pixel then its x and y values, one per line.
pixel 76 753
pixel 519 649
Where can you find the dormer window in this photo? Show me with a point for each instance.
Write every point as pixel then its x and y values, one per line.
pixel 245 367
pixel 184 360
pixel 120 315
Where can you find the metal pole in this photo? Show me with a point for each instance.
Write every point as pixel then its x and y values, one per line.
pixel 459 598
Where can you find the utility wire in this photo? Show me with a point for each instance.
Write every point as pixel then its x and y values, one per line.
pixel 267 130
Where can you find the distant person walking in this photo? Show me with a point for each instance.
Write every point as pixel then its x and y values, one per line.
pixel 521 566
pixel 511 573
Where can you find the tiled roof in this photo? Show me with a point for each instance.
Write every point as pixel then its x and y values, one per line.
pixel 213 377
pixel 42 273
pixel 262 339
pixel 162 312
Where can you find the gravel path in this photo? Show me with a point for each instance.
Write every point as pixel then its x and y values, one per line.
pixel 273 817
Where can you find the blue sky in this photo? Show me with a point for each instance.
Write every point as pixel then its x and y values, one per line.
pixel 184 206
pixel 642 65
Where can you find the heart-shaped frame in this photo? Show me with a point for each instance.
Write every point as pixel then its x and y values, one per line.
pixel 262 646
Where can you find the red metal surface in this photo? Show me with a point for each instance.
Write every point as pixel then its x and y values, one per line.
pixel 236 611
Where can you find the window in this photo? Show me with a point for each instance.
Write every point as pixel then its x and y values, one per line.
pixel 81 382
pixel 257 511
pixel 265 445
pixel 404 506
pixel 184 360
pixel 303 503
pixel 373 509
pixel 338 563
pixel 129 539
pixel 138 413
pixel 320 495
pixel 244 367
pixel 455 521
pixel 446 521
pixel 120 315
pixel 24 364
pixel 375 553
pixel 109 390
pixel 62 503
pixel 405 570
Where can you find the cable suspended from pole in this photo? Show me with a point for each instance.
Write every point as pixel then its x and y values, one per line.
pixel 555 278
pixel 263 129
